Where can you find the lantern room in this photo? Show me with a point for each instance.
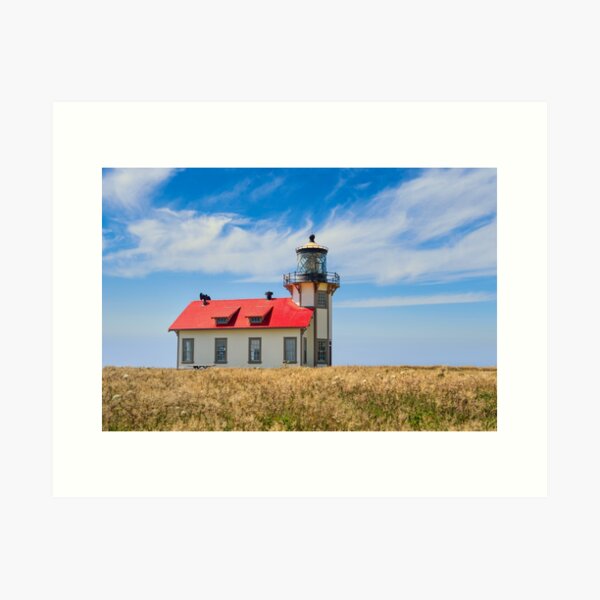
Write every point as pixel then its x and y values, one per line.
pixel 311 261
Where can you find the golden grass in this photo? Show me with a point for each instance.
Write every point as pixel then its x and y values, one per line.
pixel 300 399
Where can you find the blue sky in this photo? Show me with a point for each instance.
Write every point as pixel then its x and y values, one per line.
pixel 415 249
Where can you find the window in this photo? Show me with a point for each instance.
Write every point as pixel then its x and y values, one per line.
pixel 289 349
pixel 313 262
pixel 322 351
pixel 254 350
pixel 222 320
pixel 187 350
pixel 220 350
pixel 255 320
pixel 321 299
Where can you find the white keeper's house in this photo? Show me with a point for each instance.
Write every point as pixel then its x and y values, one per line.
pixel 264 332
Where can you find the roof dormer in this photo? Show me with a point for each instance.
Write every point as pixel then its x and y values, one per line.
pixel 258 316
pixel 225 315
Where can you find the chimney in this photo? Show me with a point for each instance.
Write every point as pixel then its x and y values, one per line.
pixel 269 295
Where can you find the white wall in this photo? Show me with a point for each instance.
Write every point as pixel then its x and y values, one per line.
pixel 308 294
pixel 237 347
pixel 322 323
pixel 310 343
pixel 296 295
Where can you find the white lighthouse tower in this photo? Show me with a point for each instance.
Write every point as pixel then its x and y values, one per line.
pixel 313 287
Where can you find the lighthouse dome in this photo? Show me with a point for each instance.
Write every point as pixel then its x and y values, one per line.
pixel 312 246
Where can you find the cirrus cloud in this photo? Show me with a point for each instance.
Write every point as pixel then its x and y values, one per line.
pixel 438 226
pixel 128 189
pixel 392 301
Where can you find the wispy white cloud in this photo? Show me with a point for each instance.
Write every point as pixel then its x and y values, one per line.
pixel 109 239
pixel 129 189
pixel 243 189
pixel 362 186
pixel 439 226
pixel 416 300
pixel 266 189
pixel 340 183
pixel 425 228
pixel 185 240
pixel 227 195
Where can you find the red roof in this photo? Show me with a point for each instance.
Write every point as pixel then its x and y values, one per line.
pixel 278 312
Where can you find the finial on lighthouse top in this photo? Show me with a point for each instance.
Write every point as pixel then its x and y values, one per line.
pixel 312 245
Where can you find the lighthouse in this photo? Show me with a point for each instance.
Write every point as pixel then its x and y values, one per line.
pixel 312 286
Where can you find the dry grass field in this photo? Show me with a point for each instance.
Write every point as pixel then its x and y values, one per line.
pixel 292 399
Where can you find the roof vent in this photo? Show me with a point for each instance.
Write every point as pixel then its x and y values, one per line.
pixel 269 295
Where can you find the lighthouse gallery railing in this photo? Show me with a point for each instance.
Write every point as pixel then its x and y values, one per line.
pixel 297 277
